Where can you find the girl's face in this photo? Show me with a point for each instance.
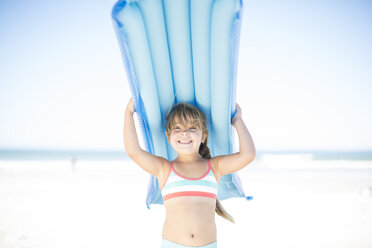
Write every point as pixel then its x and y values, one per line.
pixel 186 139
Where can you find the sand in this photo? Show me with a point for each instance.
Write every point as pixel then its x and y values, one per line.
pixel 52 204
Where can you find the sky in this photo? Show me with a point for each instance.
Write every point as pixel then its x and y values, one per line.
pixel 304 80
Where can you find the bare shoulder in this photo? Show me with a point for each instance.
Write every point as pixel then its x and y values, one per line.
pixel 164 172
pixel 214 164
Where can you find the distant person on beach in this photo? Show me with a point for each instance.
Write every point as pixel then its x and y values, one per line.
pixel 73 162
pixel 189 182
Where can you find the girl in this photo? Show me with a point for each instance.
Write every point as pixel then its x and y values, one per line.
pixel 189 183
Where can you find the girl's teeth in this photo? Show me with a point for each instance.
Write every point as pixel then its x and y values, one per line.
pixel 185 142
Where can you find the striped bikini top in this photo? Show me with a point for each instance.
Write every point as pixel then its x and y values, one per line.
pixel 177 185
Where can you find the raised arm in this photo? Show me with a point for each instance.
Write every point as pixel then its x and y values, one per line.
pixel 151 163
pixel 227 164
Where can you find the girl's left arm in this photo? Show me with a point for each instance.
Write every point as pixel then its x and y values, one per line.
pixel 228 164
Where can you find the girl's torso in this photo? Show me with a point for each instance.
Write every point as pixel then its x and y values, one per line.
pixel 190 203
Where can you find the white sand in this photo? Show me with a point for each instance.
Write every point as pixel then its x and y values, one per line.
pixel 102 204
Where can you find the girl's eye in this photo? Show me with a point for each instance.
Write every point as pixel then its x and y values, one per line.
pixel 193 130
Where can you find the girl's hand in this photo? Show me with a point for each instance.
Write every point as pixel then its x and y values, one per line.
pixel 130 106
pixel 238 114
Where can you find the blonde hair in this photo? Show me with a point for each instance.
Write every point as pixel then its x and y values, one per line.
pixel 184 113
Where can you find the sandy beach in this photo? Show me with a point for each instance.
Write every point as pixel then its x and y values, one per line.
pixel 53 204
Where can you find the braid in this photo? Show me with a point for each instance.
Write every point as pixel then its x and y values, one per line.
pixel 204 151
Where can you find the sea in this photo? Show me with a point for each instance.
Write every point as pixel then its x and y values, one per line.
pixel 6 154
pixel 311 159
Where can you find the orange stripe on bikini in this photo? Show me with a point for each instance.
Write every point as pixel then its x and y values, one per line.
pixel 189 193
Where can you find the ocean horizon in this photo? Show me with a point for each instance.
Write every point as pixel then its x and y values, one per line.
pixel 38 154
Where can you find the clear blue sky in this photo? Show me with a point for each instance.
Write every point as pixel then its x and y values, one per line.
pixel 304 79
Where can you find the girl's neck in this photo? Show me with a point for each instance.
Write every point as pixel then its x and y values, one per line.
pixel 184 159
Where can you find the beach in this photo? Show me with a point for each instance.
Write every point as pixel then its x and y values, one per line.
pixel 297 202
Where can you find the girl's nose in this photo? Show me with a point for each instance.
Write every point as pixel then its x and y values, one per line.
pixel 185 132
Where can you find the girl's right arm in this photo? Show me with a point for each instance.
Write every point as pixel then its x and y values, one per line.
pixel 153 164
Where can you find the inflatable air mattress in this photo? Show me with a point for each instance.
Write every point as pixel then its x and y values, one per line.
pixel 182 51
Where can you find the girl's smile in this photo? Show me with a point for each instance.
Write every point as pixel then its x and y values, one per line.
pixel 184 141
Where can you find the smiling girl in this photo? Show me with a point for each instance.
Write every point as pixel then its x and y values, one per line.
pixel 189 183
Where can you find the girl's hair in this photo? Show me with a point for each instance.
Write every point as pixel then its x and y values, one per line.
pixel 186 114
